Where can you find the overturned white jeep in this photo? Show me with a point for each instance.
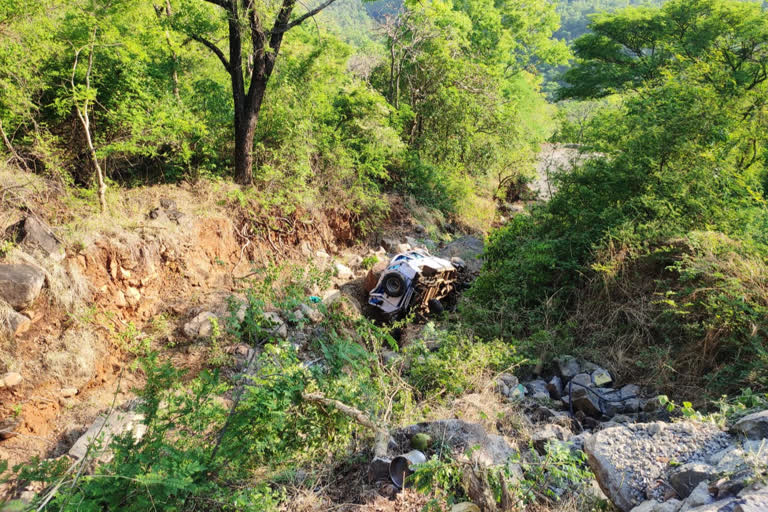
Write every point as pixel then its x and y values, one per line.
pixel 414 281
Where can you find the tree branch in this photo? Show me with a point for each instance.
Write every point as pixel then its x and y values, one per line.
pixel 381 434
pixel 309 14
pixel 215 49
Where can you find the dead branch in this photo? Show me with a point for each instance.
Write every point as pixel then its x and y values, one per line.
pixel 381 434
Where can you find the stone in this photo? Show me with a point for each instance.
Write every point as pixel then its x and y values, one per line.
pixel 34 235
pixel 20 284
pixel 458 435
pixel 343 271
pixel 322 256
pixel 11 379
pixel 314 315
pixel 13 323
pixel 400 248
pixel 685 479
pixel 8 427
pixel 601 377
pixel 631 462
pixel 465 506
pixel 119 299
pixel 200 326
pixel 390 244
pixel 546 434
pixel 753 426
pixel 468 248
pixel 105 428
pixel 568 366
pixel 537 386
pixel 697 497
pixel 555 387
pixel 278 327
pixel 132 295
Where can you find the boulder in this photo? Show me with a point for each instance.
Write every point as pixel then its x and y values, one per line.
pixel 685 479
pixel 104 429
pixel 12 323
pixel 200 326
pixel 390 244
pixel 555 388
pixel 35 236
pixel 568 366
pixel 20 284
pixel 468 248
pixel 631 461
pixel 400 248
pixel 277 324
pixel 537 389
pixel 8 427
pixel 10 380
pixel 753 426
pixel 546 434
pixel 313 314
pixel 343 271
pixel 697 497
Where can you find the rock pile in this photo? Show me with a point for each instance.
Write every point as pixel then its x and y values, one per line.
pixel 684 466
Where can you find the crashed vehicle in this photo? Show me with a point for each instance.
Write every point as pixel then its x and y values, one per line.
pixel 414 281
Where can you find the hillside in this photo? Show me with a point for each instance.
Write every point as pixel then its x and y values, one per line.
pixel 367 256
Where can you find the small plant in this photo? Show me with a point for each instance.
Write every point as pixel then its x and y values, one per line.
pixel 5 247
pixel 369 262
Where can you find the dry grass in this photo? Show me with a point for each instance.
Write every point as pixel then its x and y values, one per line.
pixel 73 360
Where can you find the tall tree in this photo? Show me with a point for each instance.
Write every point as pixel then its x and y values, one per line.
pixel 253 50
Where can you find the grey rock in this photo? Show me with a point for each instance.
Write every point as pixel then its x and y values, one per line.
pixel 753 426
pixel 103 430
pixel 555 387
pixel 685 479
pixel 546 434
pixel 10 380
pixel 343 271
pixel 580 380
pixel 8 427
pixel 489 449
pixel 698 497
pixel 200 326
pixel 569 367
pixel 277 324
pixel 13 323
pixel 35 236
pixel 468 248
pixel 537 386
pixel 20 284
pixel 313 314
pixel 628 460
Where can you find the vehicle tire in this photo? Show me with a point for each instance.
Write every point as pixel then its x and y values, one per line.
pixel 394 285
pixel 435 306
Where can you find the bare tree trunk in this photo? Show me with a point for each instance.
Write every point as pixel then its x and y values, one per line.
pixel 264 48
pixel 85 120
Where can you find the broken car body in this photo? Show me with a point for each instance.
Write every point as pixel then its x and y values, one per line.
pixel 413 280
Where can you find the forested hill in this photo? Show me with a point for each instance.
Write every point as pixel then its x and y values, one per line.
pixel 575 15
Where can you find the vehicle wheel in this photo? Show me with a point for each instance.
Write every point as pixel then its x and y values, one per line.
pixel 435 306
pixel 394 285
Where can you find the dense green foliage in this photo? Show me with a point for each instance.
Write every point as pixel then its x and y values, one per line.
pixel 664 231
pixel 466 112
